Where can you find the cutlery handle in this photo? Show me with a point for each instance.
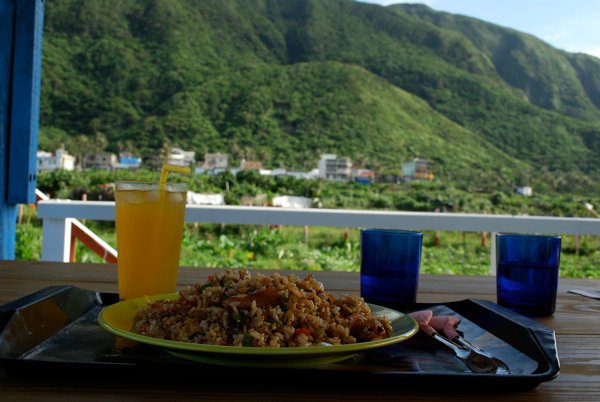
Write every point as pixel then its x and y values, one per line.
pixel 594 294
pixel 459 351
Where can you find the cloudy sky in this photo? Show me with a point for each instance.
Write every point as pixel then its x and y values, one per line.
pixel 571 25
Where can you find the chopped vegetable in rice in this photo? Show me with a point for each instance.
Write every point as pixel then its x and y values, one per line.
pixel 235 308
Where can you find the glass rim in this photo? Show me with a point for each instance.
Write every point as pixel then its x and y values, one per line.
pixel 123 185
pixel 527 236
pixel 392 231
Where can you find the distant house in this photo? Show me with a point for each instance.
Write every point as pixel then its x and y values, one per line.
pixel 333 168
pixel 525 191
pixel 47 161
pixel 179 157
pixel 110 161
pixel 250 165
pixel 128 161
pixel 363 176
pixel 417 169
pixel 100 160
pixel 215 161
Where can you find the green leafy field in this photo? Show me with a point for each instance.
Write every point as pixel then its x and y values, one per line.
pixel 321 249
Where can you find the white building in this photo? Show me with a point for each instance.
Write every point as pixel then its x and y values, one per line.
pixel 333 168
pixel 179 157
pixel 525 191
pixel 47 161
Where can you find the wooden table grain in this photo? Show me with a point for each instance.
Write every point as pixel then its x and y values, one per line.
pixel 576 323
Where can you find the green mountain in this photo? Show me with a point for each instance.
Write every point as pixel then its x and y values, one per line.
pixel 285 80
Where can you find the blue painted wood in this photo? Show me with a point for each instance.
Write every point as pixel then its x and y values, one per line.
pixel 7 212
pixel 25 102
pixel 21 29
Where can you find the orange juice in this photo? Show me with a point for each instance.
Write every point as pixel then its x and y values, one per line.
pixel 149 231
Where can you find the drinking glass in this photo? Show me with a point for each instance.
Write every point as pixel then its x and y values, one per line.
pixel 527 272
pixel 389 269
pixel 149 230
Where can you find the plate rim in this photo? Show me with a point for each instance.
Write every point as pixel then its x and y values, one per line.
pixel 267 352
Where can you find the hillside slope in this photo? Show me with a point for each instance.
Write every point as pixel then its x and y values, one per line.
pixel 550 78
pixel 283 80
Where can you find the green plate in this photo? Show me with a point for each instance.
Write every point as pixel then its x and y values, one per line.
pixel 118 319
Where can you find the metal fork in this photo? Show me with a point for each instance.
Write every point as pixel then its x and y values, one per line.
pixel 475 361
pixel 502 368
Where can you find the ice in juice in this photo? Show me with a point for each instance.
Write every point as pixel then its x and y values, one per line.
pixel 149 221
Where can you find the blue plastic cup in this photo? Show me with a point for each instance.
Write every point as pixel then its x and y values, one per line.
pixel 527 273
pixel 389 267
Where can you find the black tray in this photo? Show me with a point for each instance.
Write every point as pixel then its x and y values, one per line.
pixel 55 330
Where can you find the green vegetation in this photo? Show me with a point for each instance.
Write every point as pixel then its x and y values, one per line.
pixel 282 81
pixel 321 248
pixel 413 196
pixel 330 249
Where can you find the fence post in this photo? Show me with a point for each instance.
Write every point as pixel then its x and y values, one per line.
pixel 56 239
pixel 493 253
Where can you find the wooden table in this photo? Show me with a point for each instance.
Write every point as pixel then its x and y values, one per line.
pixel 576 323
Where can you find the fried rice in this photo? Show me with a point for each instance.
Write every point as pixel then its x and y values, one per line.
pixel 237 309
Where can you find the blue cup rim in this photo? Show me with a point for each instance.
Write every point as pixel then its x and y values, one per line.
pixel 392 231
pixel 528 236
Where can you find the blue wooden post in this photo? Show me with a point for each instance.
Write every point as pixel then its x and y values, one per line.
pixel 21 29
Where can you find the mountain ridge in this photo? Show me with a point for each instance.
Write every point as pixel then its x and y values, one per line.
pixel 284 80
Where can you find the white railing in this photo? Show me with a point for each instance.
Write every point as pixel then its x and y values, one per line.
pixel 56 227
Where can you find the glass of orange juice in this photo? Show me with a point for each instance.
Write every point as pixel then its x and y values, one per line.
pixel 149 230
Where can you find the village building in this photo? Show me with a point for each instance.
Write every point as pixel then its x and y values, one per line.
pixel 363 176
pixel 179 157
pixel 47 161
pixel 333 168
pixel 100 161
pixel 525 191
pixel 216 160
pixel 250 165
pixel 110 161
pixel 128 161
pixel 214 163
pixel 417 169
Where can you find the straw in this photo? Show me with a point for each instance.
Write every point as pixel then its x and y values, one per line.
pixel 162 184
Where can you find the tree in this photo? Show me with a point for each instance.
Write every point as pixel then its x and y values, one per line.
pixel 83 145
